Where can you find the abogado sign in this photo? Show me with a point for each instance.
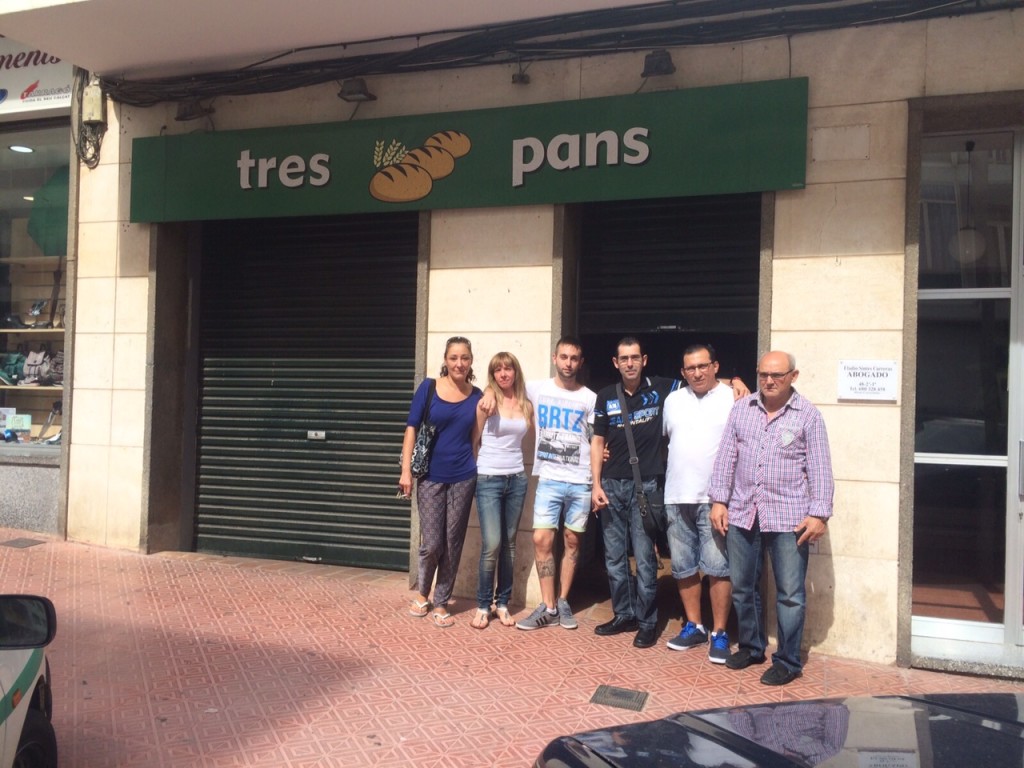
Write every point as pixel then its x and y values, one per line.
pixel 746 137
pixel 32 80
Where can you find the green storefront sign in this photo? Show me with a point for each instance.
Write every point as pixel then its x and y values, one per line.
pixel 702 141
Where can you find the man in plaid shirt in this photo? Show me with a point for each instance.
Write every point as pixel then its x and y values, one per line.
pixel 771 489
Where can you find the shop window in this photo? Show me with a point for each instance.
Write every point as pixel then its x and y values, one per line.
pixel 33 249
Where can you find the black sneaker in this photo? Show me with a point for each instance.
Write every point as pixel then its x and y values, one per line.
pixel 743 659
pixel 690 636
pixel 779 674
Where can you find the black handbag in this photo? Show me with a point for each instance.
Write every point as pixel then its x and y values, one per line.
pixel 651 505
pixel 426 435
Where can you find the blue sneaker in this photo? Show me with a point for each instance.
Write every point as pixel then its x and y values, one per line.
pixel 689 637
pixel 719 650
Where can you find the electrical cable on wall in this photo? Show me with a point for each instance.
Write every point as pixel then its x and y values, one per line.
pixel 88 117
pixel 588 33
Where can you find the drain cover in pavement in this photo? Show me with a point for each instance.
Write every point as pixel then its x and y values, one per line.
pixel 624 698
pixel 21 543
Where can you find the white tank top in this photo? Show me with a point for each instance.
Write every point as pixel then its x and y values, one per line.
pixel 501 446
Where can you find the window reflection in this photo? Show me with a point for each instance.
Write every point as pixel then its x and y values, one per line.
pixel 959 542
pixel 966 211
pixel 962 359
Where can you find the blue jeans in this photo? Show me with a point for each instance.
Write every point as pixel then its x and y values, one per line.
pixel 632 598
pixel 789 564
pixel 693 543
pixel 499 504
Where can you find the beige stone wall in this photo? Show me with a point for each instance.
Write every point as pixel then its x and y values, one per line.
pixel 106 466
pixel 491 281
pixel 837 274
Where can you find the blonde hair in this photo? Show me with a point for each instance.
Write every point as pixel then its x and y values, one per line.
pixel 519 386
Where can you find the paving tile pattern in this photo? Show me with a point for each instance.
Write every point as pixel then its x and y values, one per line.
pixel 183 659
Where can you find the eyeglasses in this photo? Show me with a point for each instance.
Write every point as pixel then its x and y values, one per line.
pixel 764 376
pixel 702 367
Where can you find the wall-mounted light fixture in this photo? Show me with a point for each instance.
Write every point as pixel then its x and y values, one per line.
pixel 192 110
pixel 658 63
pixel 355 90
pixel 520 77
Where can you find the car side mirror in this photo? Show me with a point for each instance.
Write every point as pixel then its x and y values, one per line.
pixel 26 621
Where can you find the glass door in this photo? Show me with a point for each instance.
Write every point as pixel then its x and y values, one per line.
pixel 967 508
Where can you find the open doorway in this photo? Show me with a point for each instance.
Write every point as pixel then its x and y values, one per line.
pixel 672 272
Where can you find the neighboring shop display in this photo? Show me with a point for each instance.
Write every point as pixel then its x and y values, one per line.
pixel 33 252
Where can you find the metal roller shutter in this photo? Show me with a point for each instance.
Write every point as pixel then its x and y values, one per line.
pixel 674 272
pixel 306 325
pixel 681 264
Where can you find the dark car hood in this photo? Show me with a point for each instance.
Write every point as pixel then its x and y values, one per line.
pixel 937 731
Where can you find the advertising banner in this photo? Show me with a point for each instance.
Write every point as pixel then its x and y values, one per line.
pixel 32 81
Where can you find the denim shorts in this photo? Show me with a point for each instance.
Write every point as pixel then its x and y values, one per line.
pixel 694 543
pixel 555 497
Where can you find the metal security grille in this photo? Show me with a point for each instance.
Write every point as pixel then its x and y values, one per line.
pixel 673 272
pixel 673 264
pixel 307 327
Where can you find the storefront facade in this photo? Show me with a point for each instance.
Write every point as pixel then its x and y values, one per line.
pixel 35 104
pixel 834 275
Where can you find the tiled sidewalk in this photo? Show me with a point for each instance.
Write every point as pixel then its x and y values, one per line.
pixel 181 659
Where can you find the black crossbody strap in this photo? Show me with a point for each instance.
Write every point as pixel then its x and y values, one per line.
pixel 431 389
pixel 634 462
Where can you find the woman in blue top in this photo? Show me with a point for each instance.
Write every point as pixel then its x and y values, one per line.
pixel 500 485
pixel 444 494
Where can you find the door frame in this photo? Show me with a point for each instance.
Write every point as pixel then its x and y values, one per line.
pixel 968 646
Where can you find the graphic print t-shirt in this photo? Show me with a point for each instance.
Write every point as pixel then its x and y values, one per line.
pixel 564 427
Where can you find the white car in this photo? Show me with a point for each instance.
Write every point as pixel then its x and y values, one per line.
pixel 27 625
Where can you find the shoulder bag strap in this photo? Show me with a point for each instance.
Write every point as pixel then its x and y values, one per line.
pixel 431 389
pixel 634 462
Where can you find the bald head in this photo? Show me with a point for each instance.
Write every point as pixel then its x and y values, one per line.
pixel 776 372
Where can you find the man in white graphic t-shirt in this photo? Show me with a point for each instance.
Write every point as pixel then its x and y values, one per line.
pixel 564 414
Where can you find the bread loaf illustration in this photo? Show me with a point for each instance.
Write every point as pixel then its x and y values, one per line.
pixel 401 183
pixel 434 160
pixel 455 142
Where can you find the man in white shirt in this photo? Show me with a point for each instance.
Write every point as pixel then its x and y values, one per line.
pixel 694 419
pixel 564 414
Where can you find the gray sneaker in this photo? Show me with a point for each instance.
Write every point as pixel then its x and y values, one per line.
pixel 539 619
pixel 565 618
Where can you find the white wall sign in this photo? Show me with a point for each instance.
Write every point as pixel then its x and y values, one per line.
pixel 894 759
pixel 32 80
pixel 868 380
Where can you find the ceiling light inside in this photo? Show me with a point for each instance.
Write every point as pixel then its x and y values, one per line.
pixel 20 148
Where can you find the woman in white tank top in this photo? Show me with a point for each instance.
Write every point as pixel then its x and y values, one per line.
pixel 501 486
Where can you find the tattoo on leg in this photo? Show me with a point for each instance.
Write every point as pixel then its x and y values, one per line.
pixel 546 568
pixel 573 554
